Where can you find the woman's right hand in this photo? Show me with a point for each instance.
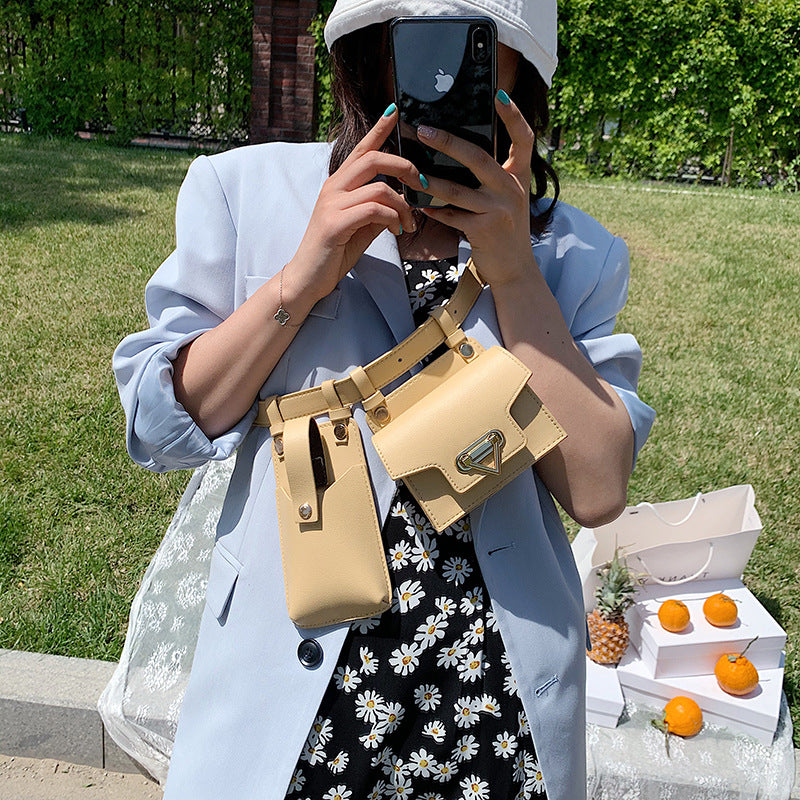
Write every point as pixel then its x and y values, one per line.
pixel 351 210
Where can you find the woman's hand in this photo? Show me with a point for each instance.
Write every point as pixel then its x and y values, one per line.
pixel 352 209
pixel 495 218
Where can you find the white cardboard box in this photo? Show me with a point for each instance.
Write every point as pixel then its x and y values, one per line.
pixel 604 700
pixel 696 650
pixel 755 714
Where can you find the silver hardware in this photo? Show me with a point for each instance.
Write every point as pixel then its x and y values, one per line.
pixel 340 431
pixel 304 511
pixel 474 457
pixel 466 350
pixel 381 414
pixel 278 443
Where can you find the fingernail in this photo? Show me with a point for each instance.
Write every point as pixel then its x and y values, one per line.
pixel 423 180
pixel 503 97
pixel 401 229
pixel 424 132
pixel 389 111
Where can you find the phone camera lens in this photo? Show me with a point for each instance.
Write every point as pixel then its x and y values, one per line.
pixel 480 40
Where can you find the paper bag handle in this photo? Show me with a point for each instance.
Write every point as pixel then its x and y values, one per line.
pixel 697 499
pixel 681 580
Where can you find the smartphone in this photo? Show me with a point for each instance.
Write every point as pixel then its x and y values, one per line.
pixel 445 76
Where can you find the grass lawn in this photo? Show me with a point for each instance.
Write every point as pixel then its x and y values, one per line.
pixel 714 300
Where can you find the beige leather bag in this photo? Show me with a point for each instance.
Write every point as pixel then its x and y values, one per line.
pixel 455 433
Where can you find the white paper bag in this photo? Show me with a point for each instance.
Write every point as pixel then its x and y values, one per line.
pixel 707 537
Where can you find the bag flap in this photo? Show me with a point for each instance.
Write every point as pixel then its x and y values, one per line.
pixel 457 417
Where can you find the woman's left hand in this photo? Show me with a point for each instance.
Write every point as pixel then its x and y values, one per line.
pixel 495 218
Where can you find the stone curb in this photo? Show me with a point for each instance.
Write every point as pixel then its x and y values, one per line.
pixel 48 709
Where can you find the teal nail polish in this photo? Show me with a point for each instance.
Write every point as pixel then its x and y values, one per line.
pixel 401 229
pixel 389 111
pixel 503 97
pixel 423 180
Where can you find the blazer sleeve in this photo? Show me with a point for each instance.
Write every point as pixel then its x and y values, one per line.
pixel 190 293
pixel 616 357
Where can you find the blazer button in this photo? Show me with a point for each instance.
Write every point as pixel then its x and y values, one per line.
pixel 310 653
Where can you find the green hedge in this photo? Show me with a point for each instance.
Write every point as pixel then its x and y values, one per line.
pixel 181 67
pixel 660 87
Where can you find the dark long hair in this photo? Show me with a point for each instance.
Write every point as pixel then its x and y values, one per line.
pixel 359 62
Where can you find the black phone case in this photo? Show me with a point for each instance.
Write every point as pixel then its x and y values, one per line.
pixel 438 81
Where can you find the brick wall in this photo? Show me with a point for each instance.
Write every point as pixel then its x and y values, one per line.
pixel 283 71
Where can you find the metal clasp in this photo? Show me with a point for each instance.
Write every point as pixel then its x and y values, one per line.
pixel 473 458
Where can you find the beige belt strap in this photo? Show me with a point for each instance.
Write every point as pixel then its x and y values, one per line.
pixel 384 369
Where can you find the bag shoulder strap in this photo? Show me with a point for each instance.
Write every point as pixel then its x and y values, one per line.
pixel 386 368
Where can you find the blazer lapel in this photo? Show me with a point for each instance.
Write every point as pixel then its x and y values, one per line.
pixel 380 272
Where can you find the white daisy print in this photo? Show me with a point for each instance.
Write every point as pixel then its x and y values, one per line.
pixel 466 712
pixel 429 634
pixel 369 664
pixel 430 275
pixel 383 758
pixel 372 740
pixel 452 273
pixel 445 772
pixel 368 704
pixel 519 766
pixel 421 293
pixel 445 605
pixel 400 787
pixel 534 781
pixel 391 716
pixel 399 554
pixel 408 595
pixel 297 781
pixel 424 553
pixel 524 728
pixel 365 625
pixel 321 731
pixel 427 697
pixel 340 792
pixel 476 631
pixel 417 524
pixel 472 601
pixel 505 745
pixel 491 620
pixel 456 570
pixel 399 510
pixel 474 788
pixel 430 796
pixel 346 679
pixel 339 762
pixel 435 730
pixel 489 705
pixel 377 791
pixel 462 529
pixel 396 769
pixel 451 656
pixel 466 748
pixel 313 754
pixel 472 667
pixel 510 685
pixel 405 659
pixel 422 763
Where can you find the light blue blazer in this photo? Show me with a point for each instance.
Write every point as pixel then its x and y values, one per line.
pixel 250 701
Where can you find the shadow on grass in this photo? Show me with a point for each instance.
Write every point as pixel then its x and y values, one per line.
pixel 60 180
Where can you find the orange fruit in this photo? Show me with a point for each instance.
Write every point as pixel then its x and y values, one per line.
pixel 736 674
pixel 720 610
pixel 683 716
pixel 673 615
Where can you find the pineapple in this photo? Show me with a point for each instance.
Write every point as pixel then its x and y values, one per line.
pixel 608 630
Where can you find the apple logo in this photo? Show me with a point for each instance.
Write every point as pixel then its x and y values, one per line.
pixel 444 82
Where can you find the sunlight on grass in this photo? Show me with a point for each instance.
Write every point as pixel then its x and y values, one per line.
pixel 715 288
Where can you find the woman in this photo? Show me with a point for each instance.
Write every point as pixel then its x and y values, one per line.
pixel 292 266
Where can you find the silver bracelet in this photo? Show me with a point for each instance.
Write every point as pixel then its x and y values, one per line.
pixel 282 316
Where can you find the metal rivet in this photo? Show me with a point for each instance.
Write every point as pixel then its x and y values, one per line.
pixel 340 430
pixel 304 511
pixel 466 350
pixel 278 442
pixel 382 414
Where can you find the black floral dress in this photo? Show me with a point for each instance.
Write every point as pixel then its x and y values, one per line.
pixel 423 702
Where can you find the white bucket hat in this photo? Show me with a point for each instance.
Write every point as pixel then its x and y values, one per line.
pixel 527 26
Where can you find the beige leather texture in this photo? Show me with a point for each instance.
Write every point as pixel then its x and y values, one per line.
pixel 334 566
pixel 480 406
